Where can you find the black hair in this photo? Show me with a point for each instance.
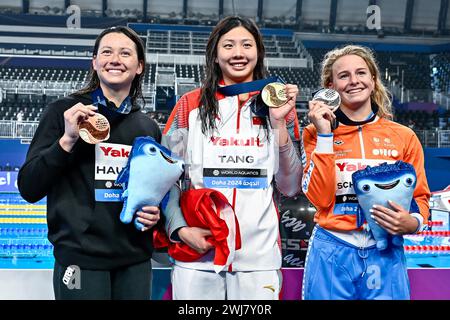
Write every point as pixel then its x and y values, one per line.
pixel 213 74
pixel 136 86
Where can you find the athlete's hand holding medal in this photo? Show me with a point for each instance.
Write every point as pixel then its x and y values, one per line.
pixel 280 98
pixel 94 129
pixel 274 94
pixel 321 110
pixel 82 121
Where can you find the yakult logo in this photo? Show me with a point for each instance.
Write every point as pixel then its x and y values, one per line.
pixel 350 167
pixel 112 152
pixel 236 142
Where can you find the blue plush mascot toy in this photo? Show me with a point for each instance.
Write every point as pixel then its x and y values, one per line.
pixel 377 185
pixel 150 172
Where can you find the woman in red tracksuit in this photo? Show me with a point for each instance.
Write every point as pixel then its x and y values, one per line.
pixel 223 138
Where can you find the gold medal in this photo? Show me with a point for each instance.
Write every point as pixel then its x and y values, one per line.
pixel 95 129
pixel 274 95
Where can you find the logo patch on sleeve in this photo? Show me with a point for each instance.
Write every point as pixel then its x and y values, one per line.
pixel 257 121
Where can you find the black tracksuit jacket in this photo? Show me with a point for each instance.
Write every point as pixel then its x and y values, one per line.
pixel 84 232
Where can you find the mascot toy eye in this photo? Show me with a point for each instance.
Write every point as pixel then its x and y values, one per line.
pixel 151 150
pixel 409 181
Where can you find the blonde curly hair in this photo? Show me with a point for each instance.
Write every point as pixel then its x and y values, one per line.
pixel 380 95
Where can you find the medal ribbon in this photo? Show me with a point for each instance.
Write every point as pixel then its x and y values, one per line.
pixel 245 87
pixel 99 99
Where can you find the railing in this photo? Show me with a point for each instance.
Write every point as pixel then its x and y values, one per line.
pixel 441 99
pixel 61 89
pixel 306 94
pixel 18 129
pixel 26 130
pixel 56 88
pixel 411 95
pixel 434 138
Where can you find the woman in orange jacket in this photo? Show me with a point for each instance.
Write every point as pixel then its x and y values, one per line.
pixel 343 261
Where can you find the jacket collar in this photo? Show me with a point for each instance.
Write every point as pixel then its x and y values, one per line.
pixel 341 117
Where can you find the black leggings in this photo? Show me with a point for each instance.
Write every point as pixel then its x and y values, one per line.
pixel 125 283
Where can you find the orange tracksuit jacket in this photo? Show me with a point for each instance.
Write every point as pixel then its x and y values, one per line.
pixel 327 175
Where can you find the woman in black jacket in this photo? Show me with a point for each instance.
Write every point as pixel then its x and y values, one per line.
pixel 96 256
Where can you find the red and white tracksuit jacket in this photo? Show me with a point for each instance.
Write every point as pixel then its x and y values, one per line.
pixel 238 144
pixel 330 161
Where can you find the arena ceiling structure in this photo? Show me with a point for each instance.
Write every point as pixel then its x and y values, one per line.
pixel 420 17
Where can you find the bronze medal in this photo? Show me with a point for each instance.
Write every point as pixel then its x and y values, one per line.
pixel 274 95
pixel 95 129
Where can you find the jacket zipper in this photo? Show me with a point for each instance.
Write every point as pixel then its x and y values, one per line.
pixel 364 239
